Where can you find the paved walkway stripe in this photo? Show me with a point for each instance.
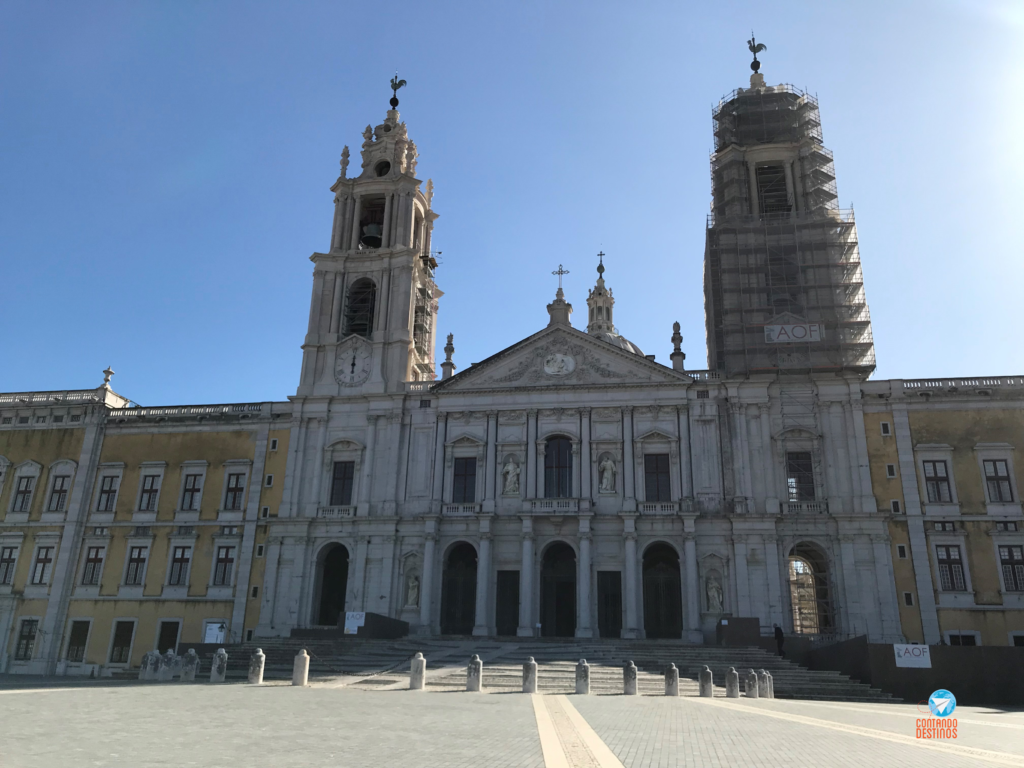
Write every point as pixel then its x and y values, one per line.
pixel 998 758
pixel 603 756
pixel 566 739
pixel 550 745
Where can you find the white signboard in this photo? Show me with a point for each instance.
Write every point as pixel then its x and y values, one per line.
pixel 793 333
pixel 912 656
pixel 353 621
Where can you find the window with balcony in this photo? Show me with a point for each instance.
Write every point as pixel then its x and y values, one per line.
pixel 657 479
pixel 464 480
pixel 951 569
pixel 800 476
pixel 997 479
pixel 108 493
pixel 59 493
pixel 936 481
pixel 180 558
pixel 235 492
pixel 342 481
pixel 150 491
pixel 93 566
pixel 1011 560
pixel 43 565
pixel 223 566
pixel 558 468
pixel 136 566
pixel 192 493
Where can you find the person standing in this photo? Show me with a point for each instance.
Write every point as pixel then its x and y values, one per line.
pixel 780 640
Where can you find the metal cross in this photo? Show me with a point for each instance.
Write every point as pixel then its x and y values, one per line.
pixel 560 272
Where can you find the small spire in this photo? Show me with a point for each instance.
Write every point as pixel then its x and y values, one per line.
pixel 395 85
pixel 448 367
pixel 344 161
pixel 678 356
pixel 600 265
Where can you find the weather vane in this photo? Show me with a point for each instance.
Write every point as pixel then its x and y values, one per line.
pixel 755 48
pixel 395 85
pixel 560 272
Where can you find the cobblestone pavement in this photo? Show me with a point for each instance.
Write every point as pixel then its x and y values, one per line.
pixel 280 726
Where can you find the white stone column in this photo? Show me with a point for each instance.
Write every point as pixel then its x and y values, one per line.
pixel 685 468
pixel 885 588
pixel 586 470
pixel 692 588
pixel 541 450
pixel 366 481
pixel 340 208
pixel 790 190
pixel 526 582
pixel 771 556
pixel 740 447
pixel 755 208
pixel 427 586
pixel 483 582
pixel 768 461
pixel 848 570
pixel 336 302
pixel 437 491
pixel 628 482
pixel 583 624
pixel 742 578
pixel 631 630
pixel 314 304
pixel 318 468
pixel 490 466
pixel 354 233
pixel 385 235
pixel 531 455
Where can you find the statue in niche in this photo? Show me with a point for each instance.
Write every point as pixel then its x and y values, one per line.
pixel 510 473
pixel 412 591
pixel 714 592
pixel 606 472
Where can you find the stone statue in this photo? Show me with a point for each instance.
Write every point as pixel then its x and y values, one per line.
pixel 714 590
pixel 511 474
pixel 412 591
pixel 606 469
pixel 344 161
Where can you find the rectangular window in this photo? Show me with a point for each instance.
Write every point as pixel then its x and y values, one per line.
pixel 269 482
pixel 93 566
pixel 76 417
pixel 6 420
pixel 180 557
pixel 937 482
pixel 961 639
pixel 259 550
pixel 223 567
pixel 997 478
pixel 464 481
pixel 7 558
pixel 1011 559
pixel 23 494
pixel 42 566
pixel 265 512
pixel 890 470
pixel 255 592
pixel 657 482
pixel 193 490
pixel 702 394
pixel 951 569
pixel 59 494
pixel 26 639
pixel 1006 526
pixel 108 493
pixel 946 527
pixel 77 640
pixel 136 566
pixel 58 419
pixel 120 651
pixel 908 599
pixel 895 506
pixel 886 429
pixel 150 490
pixel 273 444
pixel 341 483
pixel 233 498
pixel 901 551
pixel 800 476
pixel 771 189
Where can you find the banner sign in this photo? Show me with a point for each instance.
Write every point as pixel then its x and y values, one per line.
pixel 912 656
pixel 353 621
pixel 796 332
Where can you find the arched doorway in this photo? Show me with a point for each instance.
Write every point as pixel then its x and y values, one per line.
pixel 558 591
pixel 333 584
pixel 810 591
pixel 458 591
pixel 663 594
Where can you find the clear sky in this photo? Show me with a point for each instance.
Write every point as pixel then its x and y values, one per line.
pixel 166 169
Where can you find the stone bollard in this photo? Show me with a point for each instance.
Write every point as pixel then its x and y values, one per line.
pixel 732 683
pixel 256 665
pixel 771 686
pixel 629 679
pixel 583 677
pixel 170 666
pixel 300 669
pixel 189 666
pixel 672 680
pixel 219 666
pixel 417 672
pixel 750 684
pixel 475 674
pixel 146 667
pixel 706 681
pixel 156 666
pixel 530 676
pixel 762 684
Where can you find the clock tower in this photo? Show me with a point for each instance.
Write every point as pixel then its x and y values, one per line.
pixel 374 304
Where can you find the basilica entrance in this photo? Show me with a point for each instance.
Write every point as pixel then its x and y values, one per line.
pixel 558 591
pixel 458 591
pixel 663 609
pixel 333 584
pixel 809 590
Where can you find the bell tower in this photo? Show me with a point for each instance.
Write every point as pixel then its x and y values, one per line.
pixel 374 303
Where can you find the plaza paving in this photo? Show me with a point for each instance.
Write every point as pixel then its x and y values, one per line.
pixel 175 724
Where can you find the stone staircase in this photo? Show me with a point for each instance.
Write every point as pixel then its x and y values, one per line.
pixel 376 664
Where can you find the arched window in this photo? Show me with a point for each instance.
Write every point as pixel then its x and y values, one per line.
pixel 362 296
pixel 558 468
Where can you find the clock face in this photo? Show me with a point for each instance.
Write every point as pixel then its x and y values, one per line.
pixel 352 366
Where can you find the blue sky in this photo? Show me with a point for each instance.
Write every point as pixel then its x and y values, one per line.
pixel 166 170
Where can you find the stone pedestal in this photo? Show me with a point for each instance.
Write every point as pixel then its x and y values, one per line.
pixel 168 667
pixel 672 680
pixel 300 669
pixel 750 684
pixel 219 667
pixel 146 667
pixel 530 676
pixel 732 683
pixel 189 666
pixel 629 679
pixel 762 684
pixel 256 665
pixel 771 686
pixel 417 672
pixel 475 674
pixel 706 680
pixel 583 677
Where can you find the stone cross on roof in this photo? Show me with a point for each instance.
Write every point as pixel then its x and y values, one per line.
pixel 560 272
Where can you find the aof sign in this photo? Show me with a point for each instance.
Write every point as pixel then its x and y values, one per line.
pixel 794 332
pixel 912 656
pixel 353 621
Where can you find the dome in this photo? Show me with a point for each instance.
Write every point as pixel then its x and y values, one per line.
pixel 620 341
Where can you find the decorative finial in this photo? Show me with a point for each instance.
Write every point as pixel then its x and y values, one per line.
pixel 449 348
pixel 600 264
pixel 448 367
pixel 755 48
pixel 678 357
pixel 395 85
pixel 344 161
pixel 560 272
pixel 106 376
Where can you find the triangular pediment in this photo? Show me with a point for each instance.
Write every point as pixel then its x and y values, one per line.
pixel 561 356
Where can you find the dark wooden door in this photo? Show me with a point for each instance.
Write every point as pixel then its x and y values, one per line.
pixel 168 640
pixel 609 603
pixel 506 609
pixel 663 610
pixel 558 592
pixel 458 591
